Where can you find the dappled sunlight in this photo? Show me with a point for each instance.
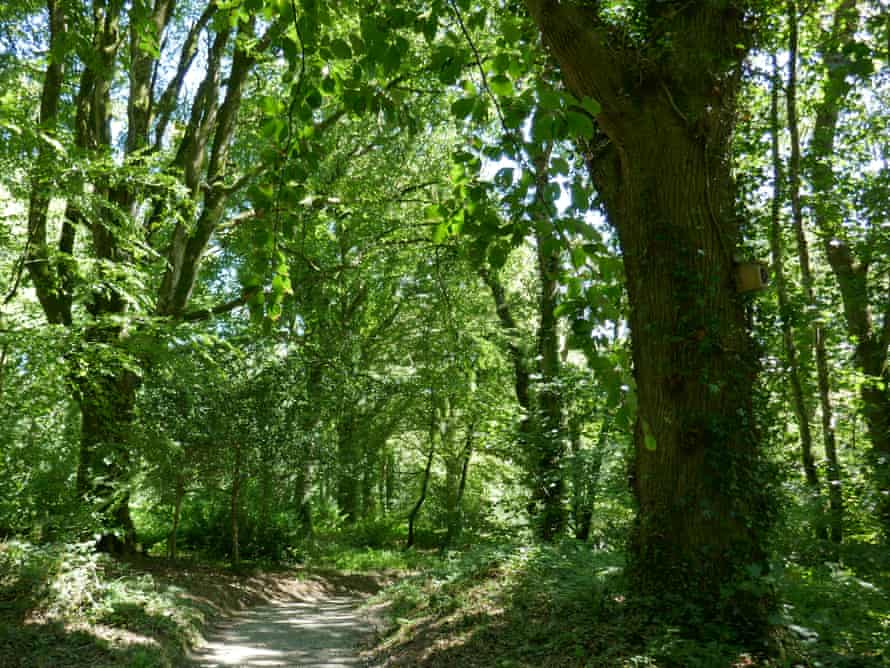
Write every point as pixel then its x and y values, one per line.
pixel 321 632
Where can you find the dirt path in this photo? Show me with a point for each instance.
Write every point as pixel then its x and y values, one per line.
pixel 323 632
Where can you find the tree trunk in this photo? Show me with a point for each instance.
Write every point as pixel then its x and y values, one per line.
pixel 663 173
pixel 177 511
pixel 548 446
pixel 835 496
pixel 107 399
pixel 694 471
pixel 349 478
pixel 389 481
pixel 585 475
pixel 793 367
pixel 457 469
pixel 302 497
pixel 852 275
pixel 370 468
pixel 425 481
pixel 233 505
pixel 518 355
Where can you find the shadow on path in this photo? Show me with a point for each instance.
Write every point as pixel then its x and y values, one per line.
pixel 310 634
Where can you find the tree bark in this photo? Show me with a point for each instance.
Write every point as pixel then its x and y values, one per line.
pixel 107 399
pixel 425 481
pixel 663 173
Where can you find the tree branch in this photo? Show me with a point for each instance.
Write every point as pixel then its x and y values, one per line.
pixel 220 309
pixel 167 102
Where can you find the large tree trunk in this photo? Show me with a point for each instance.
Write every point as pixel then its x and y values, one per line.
pixel 695 475
pixel 663 173
pixel 107 398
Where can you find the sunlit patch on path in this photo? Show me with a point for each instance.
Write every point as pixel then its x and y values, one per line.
pixel 310 634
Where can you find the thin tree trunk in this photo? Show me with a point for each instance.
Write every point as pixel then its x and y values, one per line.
pixel 349 477
pixel 548 447
pixel 425 481
pixel 835 498
pixel 793 367
pixel 177 509
pixel 390 480
pixel 455 512
pixel 852 275
pixel 303 496
pixel 233 506
pixel 585 476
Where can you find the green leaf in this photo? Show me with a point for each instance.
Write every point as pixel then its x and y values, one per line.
pixel 543 127
pixel 440 233
pixel 341 49
pixel 463 107
pixel 504 177
pixel 591 106
pixel 580 125
pixel 500 63
pixel 500 85
pixel 434 213
pixel 313 98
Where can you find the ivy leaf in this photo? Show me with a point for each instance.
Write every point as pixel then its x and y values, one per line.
pixel 648 439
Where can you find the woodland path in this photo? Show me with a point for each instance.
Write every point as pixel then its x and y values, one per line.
pixel 322 632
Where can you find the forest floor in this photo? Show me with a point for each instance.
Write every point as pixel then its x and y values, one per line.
pixel 506 605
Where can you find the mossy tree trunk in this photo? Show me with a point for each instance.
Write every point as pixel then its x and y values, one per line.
pixel 662 169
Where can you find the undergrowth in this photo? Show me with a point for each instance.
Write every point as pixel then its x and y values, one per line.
pixel 65 605
pixel 567 605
